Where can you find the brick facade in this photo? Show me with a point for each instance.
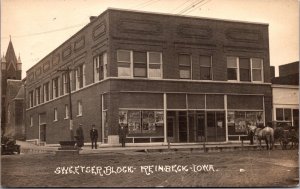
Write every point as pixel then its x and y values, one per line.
pixel 170 36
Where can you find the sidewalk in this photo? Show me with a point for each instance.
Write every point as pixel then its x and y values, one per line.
pixel 217 147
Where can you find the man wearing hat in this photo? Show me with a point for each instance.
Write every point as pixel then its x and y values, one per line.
pixel 79 136
pixel 94 136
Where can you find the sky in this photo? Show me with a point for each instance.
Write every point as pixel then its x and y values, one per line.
pixel 37 27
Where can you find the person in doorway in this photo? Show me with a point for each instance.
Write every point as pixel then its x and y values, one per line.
pixel 94 136
pixel 122 134
pixel 80 137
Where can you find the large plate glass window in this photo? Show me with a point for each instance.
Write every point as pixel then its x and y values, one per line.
pixel 205 68
pixel 124 63
pixel 232 68
pixel 184 66
pixel 155 64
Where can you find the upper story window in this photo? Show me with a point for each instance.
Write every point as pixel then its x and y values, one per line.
pixel 80 76
pixel 244 65
pixel 205 67
pixel 232 68
pixel 66 111
pixel 55 115
pixel 155 64
pixel 139 64
pixel 31 99
pixel 55 88
pixel 100 67
pixel 124 59
pixel 65 83
pixel 184 66
pixel 31 121
pixel 38 95
pixel 244 69
pixel 46 92
pixel 79 108
pixel 257 69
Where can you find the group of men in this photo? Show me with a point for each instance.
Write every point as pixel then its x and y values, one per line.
pixel 94 136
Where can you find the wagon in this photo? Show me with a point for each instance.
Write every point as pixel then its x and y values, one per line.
pixel 286 134
pixel 9 146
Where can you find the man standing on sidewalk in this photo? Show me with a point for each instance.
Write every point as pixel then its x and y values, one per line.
pixel 94 136
pixel 122 134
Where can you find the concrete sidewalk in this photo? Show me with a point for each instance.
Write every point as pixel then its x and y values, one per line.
pixel 28 148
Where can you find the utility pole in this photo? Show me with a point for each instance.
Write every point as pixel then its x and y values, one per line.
pixel 67 71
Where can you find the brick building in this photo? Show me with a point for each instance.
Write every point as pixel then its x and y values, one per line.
pixel 186 79
pixel 11 75
pixel 285 92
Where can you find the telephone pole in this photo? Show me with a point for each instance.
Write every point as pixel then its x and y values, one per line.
pixel 67 71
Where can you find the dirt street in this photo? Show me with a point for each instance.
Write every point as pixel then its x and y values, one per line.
pixel 138 169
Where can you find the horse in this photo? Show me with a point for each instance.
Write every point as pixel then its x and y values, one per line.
pixel 266 133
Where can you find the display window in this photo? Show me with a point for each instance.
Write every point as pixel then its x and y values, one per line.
pixel 238 121
pixel 142 122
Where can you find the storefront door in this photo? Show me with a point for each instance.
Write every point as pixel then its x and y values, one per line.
pixel 200 126
pixel 215 126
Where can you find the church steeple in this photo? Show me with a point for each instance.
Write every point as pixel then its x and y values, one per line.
pixel 13 66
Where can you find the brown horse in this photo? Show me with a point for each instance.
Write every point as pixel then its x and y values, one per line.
pixel 266 133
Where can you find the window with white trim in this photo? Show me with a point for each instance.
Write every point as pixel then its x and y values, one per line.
pixel 184 61
pixel 100 67
pixel 65 83
pixel 257 69
pixel 55 115
pixel 38 95
pixel 79 108
pixel 139 64
pixel 55 88
pixel 31 121
pixel 244 69
pixel 80 76
pixel 124 59
pixel 155 64
pixel 66 111
pixel 205 67
pixel 232 68
pixel 31 99
pixel 46 92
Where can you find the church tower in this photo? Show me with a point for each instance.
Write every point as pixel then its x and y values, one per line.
pixel 11 68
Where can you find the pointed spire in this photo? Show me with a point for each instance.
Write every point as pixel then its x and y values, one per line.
pixel 10 55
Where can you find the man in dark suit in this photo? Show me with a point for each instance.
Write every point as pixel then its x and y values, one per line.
pixel 122 134
pixel 94 136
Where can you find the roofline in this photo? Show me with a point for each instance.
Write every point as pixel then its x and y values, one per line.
pixel 89 23
pixel 186 16
pixel 138 11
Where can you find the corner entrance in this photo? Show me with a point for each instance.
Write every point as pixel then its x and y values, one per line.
pixel 196 126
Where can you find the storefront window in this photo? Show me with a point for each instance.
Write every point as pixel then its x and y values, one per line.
pixel 239 120
pixel 142 122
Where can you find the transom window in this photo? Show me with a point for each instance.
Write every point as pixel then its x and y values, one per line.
pixel 184 66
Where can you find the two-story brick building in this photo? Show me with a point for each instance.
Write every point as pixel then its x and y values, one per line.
pixel 187 79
